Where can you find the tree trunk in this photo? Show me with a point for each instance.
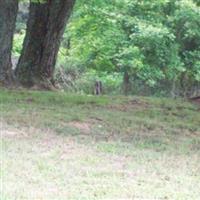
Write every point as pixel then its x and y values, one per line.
pixel 126 83
pixel 45 28
pixel 27 70
pixel 8 15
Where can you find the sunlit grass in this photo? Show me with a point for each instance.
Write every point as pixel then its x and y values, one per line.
pixel 65 146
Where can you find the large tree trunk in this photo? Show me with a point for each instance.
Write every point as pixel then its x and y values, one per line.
pixel 8 14
pixel 27 70
pixel 45 28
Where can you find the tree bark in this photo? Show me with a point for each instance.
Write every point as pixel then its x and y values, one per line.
pixel 28 66
pixel 126 83
pixel 8 15
pixel 45 28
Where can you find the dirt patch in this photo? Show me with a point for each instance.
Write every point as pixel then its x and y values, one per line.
pixel 84 127
pixel 195 100
pixel 12 133
pixel 7 131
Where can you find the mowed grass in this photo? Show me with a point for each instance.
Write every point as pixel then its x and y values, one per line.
pixel 57 146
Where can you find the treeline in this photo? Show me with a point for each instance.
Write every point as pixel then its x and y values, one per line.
pixel 133 47
pixel 45 27
pixel 153 45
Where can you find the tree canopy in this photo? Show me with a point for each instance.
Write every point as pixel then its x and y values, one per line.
pixel 147 47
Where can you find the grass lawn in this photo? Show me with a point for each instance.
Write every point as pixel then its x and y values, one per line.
pixel 58 146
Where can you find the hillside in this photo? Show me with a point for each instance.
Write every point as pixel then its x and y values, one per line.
pixel 64 146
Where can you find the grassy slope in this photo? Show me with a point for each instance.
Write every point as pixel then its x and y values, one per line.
pixel 61 146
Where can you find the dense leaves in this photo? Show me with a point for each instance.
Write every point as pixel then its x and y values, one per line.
pixel 156 43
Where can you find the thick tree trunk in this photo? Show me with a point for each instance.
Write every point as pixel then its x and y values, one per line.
pixel 27 70
pixel 45 28
pixel 8 14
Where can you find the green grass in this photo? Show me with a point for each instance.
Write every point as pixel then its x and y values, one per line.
pixel 63 146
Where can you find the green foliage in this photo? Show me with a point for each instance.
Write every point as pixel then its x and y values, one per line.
pixel 156 42
pixel 73 80
pixel 17 43
pixel 111 82
pixel 186 25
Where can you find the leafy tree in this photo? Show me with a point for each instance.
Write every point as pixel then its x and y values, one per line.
pixel 152 45
pixel 146 41
pixel 185 24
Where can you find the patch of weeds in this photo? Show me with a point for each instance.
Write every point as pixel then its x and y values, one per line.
pixel 195 145
pixel 77 117
pixel 52 98
pixel 89 160
pixel 99 132
pixel 114 148
pixel 67 130
pixel 150 125
pixel 151 143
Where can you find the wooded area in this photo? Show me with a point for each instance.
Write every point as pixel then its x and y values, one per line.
pixel 99 99
pixel 132 47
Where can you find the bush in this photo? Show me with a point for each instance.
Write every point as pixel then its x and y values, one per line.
pixel 83 82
